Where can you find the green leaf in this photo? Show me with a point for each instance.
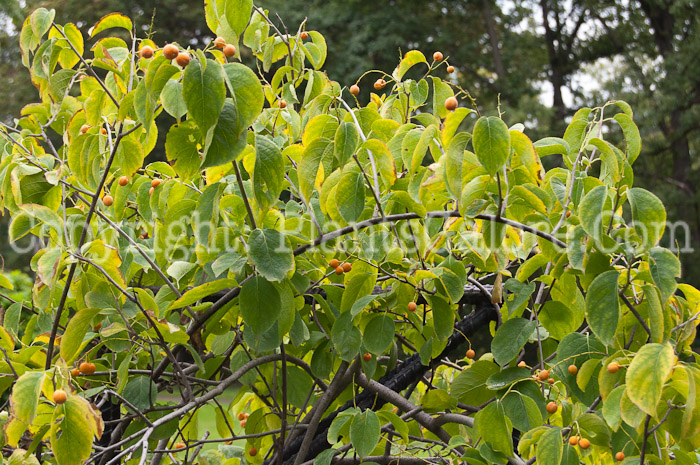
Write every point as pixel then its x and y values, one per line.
pixel 181 149
pixel 495 428
pixel 200 292
pixel 522 411
pixel 470 385
pixel 441 92
pixel 379 333
pixel 590 211
pixel 347 139
pixel 384 159
pixel 109 21
pixel 268 174
pixel 665 268
pixel 510 339
pixel 647 374
pixel 611 408
pixel 261 304
pixel 632 137
pixel 550 447
pixel 237 14
pixel 77 327
pixel 410 59
pixel 148 91
pixel 350 195
pixel 437 400
pixel 73 425
pixel 648 215
pixel 129 156
pixel 491 142
pixel 454 161
pixel 41 20
pixel 346 337
pixel 559 319
pixel 603 306
pixel 271 253
pixel 248 92
pixel 141 392
pixel 226 144
pixel 25 395
pixel 364 432
pixel 172 99
pixel 204 90
pixel 443 317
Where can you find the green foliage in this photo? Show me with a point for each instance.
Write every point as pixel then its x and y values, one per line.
pixel 211 278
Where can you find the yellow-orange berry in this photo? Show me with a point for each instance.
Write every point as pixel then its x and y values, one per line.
pixel 573 369
pixel 471 354
pixel 339 270
pixel 451 104
pixel 229 50
pixel 146 51
pixel 103 131
pixel 544 375
pixel 334 263
pixel 180 445
pixel 573 440
pixel 551 381
pixel 155 183
pixel 183 59
pixel 584 443
pixel 59 396
pixel 282 104
pixel 84 128
pixel 171 51
pixel 450 69
pixel 522 364
pixel 613 367
pixel 123 181
pixel 412 306
pixel 347 267
pixel 620 456
pixel 552 407
pixel 241 416
pixel 253 451
pixel 354 89
pixel 304 35
pixel 367 357
pixel 437 56
pixel 75 372
pixel 150 191
pixel 107 200
pixel 379 84
pixel 87 368
pixel 220 42
pixel 243 422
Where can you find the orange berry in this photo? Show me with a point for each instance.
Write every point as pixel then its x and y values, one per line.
pixel 334 263
pixel 568 214
pixel 87 368
pixel 247 415
pixel 97 327
pixel 253 451
pixel 584 443
pixel 180 445
pixel 450 69
pixel 183 59
pixel 146 51
pixel 107 200
pixel 229 50
pixel 75 372
pixel 150 191
pixel 544 375
pixel 613 367
pixel 573 440
pixel 304 35
pixel 412 306
pixel 437 56
pixel 241 416
pixel 354 89
pixel 123 181
pixel 103 131
pixel 59 396
pixel 552 408
pixel 573 369
pixel 379 84
pixel 367 357
pixel 451 104
pixel 522 364
pixel 347 267
pixel 155 183
pixel 171 51
pixel 84 128
pixel 620 456
pixel 551 381
pixel 471 354
pixel 339 270
pixel 282 104
pixel 220 42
